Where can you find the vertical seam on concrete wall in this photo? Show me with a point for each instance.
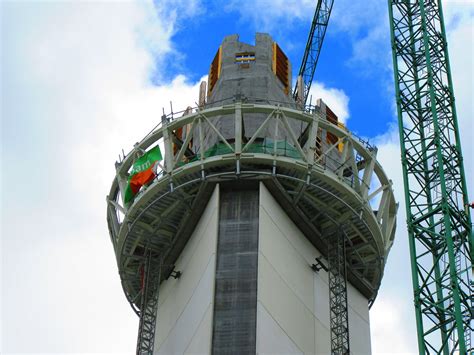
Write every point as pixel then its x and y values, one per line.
pixel 211 304
pixel 288 285
pixel 183 267
pixel 279 326
pixel 284 234
pixel 187 302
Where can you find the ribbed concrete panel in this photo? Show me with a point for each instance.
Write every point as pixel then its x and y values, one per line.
pixel 271 338
pixel 184 301
pixel 235 303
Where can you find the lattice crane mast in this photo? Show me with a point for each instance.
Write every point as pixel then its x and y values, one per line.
pixel 438 216
pixel 312 51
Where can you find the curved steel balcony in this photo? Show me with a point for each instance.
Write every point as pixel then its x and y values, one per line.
pixel 326 179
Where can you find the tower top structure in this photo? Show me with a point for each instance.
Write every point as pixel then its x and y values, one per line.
pixel 325 190
pixel 249 129
pixel 260 72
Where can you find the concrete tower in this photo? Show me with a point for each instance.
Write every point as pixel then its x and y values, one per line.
pixel 266 226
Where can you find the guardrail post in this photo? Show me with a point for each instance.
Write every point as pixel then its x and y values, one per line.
pixel 121 179
pixel 311 143
pixel 169 165
pixel 368 172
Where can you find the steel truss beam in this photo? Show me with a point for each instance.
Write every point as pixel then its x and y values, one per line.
pixel 132 227
pixel 439 223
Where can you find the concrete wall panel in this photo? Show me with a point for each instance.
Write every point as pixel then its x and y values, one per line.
pixel 201 341
pixel 359 330
pixel 287 227
pixel 285 306
pixel 358 302
pixel 189 321
pixel 183 302
pixel 323 344
pixel 321 300
pixel 207 224
pixel 271 338
pixel 292 294
pixel 289 264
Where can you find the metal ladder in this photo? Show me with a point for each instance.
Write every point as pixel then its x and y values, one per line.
pixel 468 317
pixel 338 312
pixel 149 303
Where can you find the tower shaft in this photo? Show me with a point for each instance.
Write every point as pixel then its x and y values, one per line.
pixel 439 222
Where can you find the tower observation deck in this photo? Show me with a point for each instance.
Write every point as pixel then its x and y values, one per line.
pixel 265 226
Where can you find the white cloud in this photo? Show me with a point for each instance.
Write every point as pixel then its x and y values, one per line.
pixel 75 89
pixel 354 17
pixel 336 99
pixel 366 25
pixel 461 50
pixel 391 334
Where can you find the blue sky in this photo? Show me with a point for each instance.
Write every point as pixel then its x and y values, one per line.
pixel 80 80
pixel 362 73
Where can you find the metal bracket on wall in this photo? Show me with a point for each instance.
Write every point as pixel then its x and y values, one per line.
pixel 174 274
pixel 319 265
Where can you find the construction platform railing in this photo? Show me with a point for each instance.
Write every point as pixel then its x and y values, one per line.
pixel 329 182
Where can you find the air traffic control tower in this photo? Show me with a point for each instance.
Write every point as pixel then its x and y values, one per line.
pixel 265 226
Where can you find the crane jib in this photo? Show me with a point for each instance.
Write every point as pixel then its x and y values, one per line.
pixel 313 48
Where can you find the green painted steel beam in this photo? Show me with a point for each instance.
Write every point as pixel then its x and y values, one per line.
pixel 438 219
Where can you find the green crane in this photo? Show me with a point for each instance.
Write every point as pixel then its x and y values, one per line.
pixel 438 216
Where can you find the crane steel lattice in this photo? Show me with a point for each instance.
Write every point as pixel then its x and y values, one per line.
pixel 313 48
pixel 439 222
